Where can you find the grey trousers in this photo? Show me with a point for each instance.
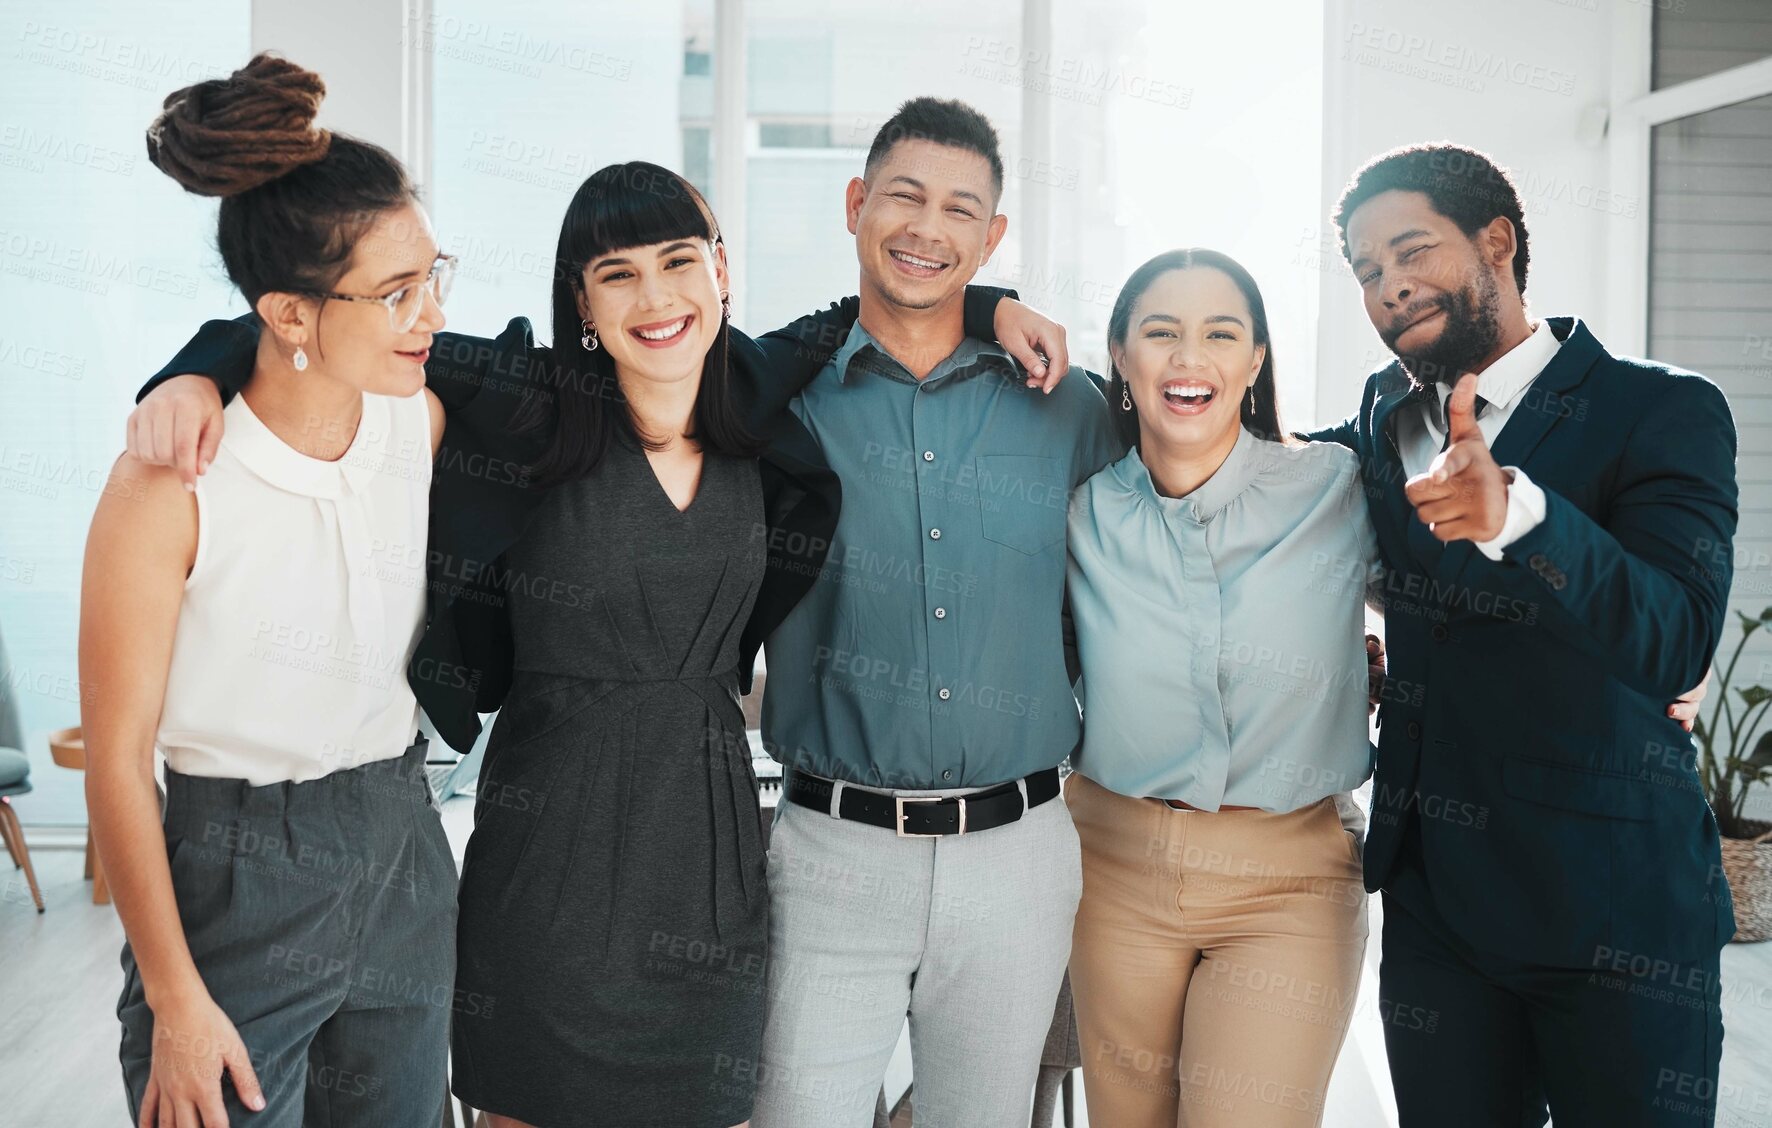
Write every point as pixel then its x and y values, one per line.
pixel 321 916
pixel 966 935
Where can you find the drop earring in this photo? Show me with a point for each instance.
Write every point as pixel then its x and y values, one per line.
pixel 726 304
pixel 1125 396
pixel 1249 401
pixel 300 360
pixel 589 340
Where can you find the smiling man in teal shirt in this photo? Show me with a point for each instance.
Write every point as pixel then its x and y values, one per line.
pixel 922 863
pixel 930 654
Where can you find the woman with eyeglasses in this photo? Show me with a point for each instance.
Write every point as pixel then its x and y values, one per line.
pixel 248 630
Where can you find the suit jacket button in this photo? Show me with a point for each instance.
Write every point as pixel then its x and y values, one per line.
pixel 1559 581
pixel 1440 633
pixel 1536 562
pixel 1414 730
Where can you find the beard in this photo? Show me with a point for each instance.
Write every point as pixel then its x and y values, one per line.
pixel 1470 332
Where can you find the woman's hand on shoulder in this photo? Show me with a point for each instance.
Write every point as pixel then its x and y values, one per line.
pixel 178 424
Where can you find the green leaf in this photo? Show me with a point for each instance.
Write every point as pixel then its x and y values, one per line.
pixel 1749 626
pixel 1754 695
pixel 1760 759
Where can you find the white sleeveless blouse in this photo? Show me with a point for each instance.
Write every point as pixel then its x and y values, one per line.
pixel 305 603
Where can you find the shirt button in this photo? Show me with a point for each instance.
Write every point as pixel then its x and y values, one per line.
pixel 947 775
pixel 1414 731
pixel 944 694
pixel 941 612
pixel 934 534
pixel 928 456
pixel 1440 633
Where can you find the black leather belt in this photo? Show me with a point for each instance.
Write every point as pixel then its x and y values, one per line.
pixel 926 816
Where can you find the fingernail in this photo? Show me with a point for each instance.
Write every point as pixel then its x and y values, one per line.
pixel 203 467
pixel 190 487
pixel 258 1104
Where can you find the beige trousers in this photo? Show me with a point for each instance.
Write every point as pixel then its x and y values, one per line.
pixel 1215 960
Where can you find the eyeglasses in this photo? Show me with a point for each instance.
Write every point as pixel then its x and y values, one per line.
pixel 405 303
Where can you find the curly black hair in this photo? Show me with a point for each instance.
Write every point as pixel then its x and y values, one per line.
pixel 1463 184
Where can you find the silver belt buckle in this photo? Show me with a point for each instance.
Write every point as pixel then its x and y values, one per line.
pixel 900 800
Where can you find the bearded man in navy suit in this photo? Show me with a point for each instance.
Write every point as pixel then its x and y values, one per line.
pixel 1556 526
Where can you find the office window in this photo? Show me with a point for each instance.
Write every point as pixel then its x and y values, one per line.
pixel 821 82
pixel 106 266
pixel 795 135
pixel 1694 38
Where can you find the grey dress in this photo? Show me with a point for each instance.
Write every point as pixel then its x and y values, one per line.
pixel 613 914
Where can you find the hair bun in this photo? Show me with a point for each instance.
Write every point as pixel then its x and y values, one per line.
pixel 228 135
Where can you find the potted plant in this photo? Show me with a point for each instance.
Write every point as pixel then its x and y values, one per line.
pixel 1730 763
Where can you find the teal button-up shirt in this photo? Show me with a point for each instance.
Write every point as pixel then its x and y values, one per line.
pixel 930 653
pixel 1221 634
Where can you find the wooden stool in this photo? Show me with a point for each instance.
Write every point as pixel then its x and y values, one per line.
pixel 68 749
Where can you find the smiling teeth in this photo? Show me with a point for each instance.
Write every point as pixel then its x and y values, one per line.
pixel 666 333
pixel 1187 391
pixel 915 261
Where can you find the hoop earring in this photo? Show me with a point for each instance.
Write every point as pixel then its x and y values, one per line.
pixel 726 305
pixel 589 340
pixel 300 360
pixel 1125 396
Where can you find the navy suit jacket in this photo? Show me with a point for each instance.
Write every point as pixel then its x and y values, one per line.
pixel 1524 716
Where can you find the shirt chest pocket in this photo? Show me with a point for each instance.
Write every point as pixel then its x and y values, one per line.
pixel 1021 501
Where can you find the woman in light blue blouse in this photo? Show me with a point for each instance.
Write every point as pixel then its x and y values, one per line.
pixel 1217 581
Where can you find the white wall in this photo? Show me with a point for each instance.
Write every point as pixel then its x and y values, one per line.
pixel 1524 80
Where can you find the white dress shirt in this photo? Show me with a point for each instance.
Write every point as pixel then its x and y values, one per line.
pixel 1503 385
